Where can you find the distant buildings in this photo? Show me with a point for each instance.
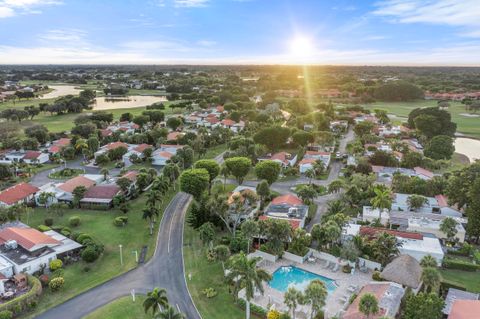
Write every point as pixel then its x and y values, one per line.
pixel 22 193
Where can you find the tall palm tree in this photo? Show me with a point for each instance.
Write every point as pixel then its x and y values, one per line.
pixel 151 212
pixel 104 171
pixel 336 185
pixel 382 200
pixel 315 295
pixel 244 273
pixel 292 298
pixel 310 173
pixel 81 145
pixel 428 262
pixel 169 313
pixel 431 279
pixel 156 300
pixel 368 305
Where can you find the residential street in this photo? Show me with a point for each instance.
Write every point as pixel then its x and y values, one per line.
pixel 164 270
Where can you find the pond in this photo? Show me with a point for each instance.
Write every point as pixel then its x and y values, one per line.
pixel 468 147
pixel 60 90
pixel 108 103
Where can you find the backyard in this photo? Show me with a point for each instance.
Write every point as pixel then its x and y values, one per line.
pixel 81 276
pixel 469 280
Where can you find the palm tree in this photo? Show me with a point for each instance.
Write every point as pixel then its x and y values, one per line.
pixel 292 298
pixel 382 200
pixel 431 279
pixel 81 145
pixel 335 207
pixel 428 262
pixel 310 173
pixel 156 300
pixel 104 171
pixel 315 295
pixel 331 231
pixel 244 273
pixel 385 248
pixel 336 185
pixel 368 305
pixel 150 212
pixel 249 229
pixel 169 313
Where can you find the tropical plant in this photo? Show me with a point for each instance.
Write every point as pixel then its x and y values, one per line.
pixel 368 305
pixel 169 313
pixel 382 200
pixel 431 279
pixel 385 248
pixel 292 298
pixel 156 300
pixel 449 228
pixel 150 212
pixel 315 295
pixel 249 229
pixel 416 202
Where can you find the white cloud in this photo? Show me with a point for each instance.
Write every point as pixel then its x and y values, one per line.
pixel 10 8
pixel 459 13
pixel 191 3
pixel 206 43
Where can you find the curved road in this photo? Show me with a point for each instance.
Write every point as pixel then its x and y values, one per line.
pixel 164 270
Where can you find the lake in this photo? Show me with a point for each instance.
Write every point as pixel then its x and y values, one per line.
pixel 468 147
pixel 108 103
pixel 60 90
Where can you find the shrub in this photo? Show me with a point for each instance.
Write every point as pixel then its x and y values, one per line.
pixel 66 231
pixel 43 228
pixel 74 221
pixel 86 269
pixel 82 237
pixel 273 314
pixel 377 276
pixel 89 254
pixel 56 283
pixel 460 265
pixel 48 221
pixel 56 264
pixel 209 292
pixel 254 308
pixel 6 314
pixel 57 228
pixel 44 279
pixel 58 273
pixel 120 221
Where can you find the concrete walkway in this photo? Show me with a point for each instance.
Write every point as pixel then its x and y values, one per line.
pixel 164 270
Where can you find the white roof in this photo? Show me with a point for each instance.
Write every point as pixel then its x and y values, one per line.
pixel 67 243
pixel 94 177
pixel 429 245
pixel 351 229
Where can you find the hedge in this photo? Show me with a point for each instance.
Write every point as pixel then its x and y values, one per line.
pixel 253 307
pixel 43 228
pixel 460 265
pixel 20 304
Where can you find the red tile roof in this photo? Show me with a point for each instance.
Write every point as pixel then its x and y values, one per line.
pixel 140 148
pixel 115 145
pixel 132 175
pixel 171 145
pixel 102 191
pixel 29 155
pixel 374 231
pixel 54 149
pixel 422 171
pixel 213 120
pixel 465 309
pixel 62 142
pixel 442 200
pixel 172 136
pixel 228 122
pixel 17 193
pixel 378 290
pixel 220 108
pixel 106 132
pixel 28 238
pixel 307 161
pixel 164 154
pixel 377 168
pixel 73 183
pixel 314 153
pixel 287 199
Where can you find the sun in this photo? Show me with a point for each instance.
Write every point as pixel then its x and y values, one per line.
pixel 301 46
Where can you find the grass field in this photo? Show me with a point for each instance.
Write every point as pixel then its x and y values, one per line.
pixel 207 274
pixel 123 308
pixel 469 126
pixel 470 280
pixel 99 224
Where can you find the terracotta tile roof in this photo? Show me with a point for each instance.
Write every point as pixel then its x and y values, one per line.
pixel 105 132
pixel 307 161
pixel 114 145
pixel 220 108
pixel 140 148
pixel 378 290
pixel 54 149
pixel 62 142
pixel 29 155
pixel 172 136
pixel 442 200
pixel 281 156
pixel 228 122
pixel 377 168
pixel 213 120
pixel 287 199
pixel 294 223
pixel 465 309
pixel 28 238
pixel 132 175
pixel 164 154
pixel 73 183
pixel 422 171
pixel 374 231
pixel 102 191
pixel 17 193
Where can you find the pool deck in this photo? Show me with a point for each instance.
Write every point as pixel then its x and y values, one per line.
pixel 334 304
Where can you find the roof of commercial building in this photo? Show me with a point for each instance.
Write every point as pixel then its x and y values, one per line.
pixel 17 193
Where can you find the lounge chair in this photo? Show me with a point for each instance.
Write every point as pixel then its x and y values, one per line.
pixel 352 288
pixel 335 268
pixel 344 299
pixel 327 264
pixel 312 259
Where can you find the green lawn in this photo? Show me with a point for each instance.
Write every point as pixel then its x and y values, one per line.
pixel 122 308
pixel 470 280
pixel 205 274
pixel 99 224
pixel 212 152
pixel 467 125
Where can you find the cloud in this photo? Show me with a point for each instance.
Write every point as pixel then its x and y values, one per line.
pixel 10 8
pixel 191 3
pixel 206 43
pixel 463 13
pixel 157 45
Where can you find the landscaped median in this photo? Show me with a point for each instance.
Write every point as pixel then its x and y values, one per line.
pixel 122 308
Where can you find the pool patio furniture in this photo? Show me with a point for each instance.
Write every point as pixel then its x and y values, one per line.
pixel 335 268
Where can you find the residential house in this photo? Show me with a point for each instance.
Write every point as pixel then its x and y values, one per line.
pixel 283 158
pixel 435 205
pixel 413 145
pixel 385 174
pixel 247 208
pixel 22 193
pixel 388 294
pixel 135 150
pixel 111 146
pixel 465 309
pixel 338 126
pixel 164 153
pixel 455 295
pixel 57 145
pixel 29 157
pixel 311 157
pixel 287 207
pixel 100 196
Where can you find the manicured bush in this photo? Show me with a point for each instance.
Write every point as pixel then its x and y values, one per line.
pixel 66 231
pixel 57 273
pixel 377 276
pixel 82 237
pixel 209 292
pixel 273 314
pixel 89 254
pixel 254 308
pixel 56 283
pixel 57 228
pixel 43 228
pixel 6 314
pixel 48 221
pixel 460 265
pixel 56 264
pixel 74 221
pixel 120 221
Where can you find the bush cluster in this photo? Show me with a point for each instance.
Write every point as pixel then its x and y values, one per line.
pixel 56 264
pixel 74 221
pixel 120 221
pixel 460 265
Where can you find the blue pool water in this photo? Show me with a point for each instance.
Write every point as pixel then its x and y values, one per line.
pixel 291 276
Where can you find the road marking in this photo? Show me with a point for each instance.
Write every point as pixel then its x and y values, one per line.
pixel 178 308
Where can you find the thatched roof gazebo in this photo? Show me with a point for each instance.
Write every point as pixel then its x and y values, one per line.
pixel 404 270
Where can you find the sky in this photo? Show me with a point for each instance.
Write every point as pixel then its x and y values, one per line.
pixel 355 32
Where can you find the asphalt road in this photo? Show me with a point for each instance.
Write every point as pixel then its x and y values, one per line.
pixel 164 270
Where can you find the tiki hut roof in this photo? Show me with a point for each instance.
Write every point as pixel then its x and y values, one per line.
pixel 404 270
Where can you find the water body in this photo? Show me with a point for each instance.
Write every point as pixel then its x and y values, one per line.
pixel 108 103
pixel 468 147
pixel 60 90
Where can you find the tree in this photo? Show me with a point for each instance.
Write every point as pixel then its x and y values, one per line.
pixel 169 313
pixel 238 167
pixel 307 193
pixel 382 200
pixel 45 198
pixel 428 262
pixel 172 172
pixel 277 232
pixel 292 298
pixel 194 181
pixel 224 172
pixel 222 253
pixel 78 194
pixel 141 120
pixel 300 242
pixel 440 147
pixel 249 229
pixel 449 228
pixel 150 212
pixel 263 190
pixel 431 279
pixel 156 300
pixel 124 183
pixel 268 170
pixel 437 122
pixel 310 173
pixel 272 137
pixel 416 202
pixel 174 123
pixel 104 171
pixel 423 305
pixel 211 166
pixel 302 138
pixel 207 233
pixel 385 248
pixel 336 185
pixel 315 295
pixel 368 305
pixel 427 125
pixel 363 128
pixel 350 252
pixel 40 132
pixel 126 117
pixel 398 91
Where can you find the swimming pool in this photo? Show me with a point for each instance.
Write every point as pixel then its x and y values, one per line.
pixel 291 276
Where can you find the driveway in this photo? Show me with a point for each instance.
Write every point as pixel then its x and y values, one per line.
pixel 164 270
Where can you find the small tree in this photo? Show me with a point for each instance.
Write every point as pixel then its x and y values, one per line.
pixel 415 202
pixel 223 253
pixel 207 233
pixel 249 229
pixel 368 305
pixel 315 295
pixel 428 262
pixel 268 170
pixel 78 194
pixel 238 167
pixel 292 298
pixel 449 228
pixel 263 190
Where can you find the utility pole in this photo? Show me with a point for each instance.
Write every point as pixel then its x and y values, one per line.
pixel 121 257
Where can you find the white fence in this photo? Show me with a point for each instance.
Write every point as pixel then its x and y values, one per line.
pixel 265 256
pixel 324 256
pixel 372 265
pixel 295 258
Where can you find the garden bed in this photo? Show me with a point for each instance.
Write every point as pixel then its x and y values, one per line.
pixel 66 173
